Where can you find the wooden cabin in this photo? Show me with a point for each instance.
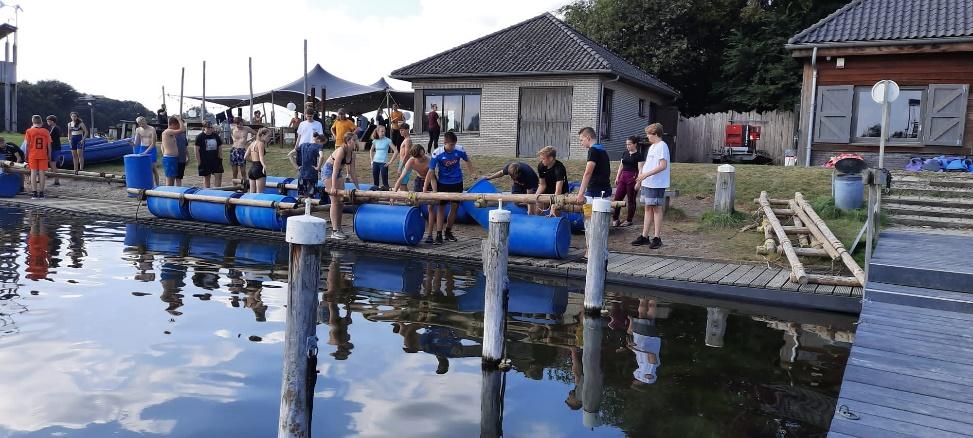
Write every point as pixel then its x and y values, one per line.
pixel 926 46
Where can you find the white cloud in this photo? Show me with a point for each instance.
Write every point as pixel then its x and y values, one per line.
pixel 129 50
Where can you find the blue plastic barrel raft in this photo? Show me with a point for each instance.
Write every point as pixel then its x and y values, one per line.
pixel 482 214
pixel 271 190
pixel 10 184
pixel 167 243
pixel 136 235
pixel 250 253
pixel 214 212
pixel 170 207
pixel 265 218
pixel 209 248
pixel 138 172
pixel 387 275
pixel 396 224
pixel 462 217
pixel 540 236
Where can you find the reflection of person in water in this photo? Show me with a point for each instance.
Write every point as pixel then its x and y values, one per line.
pixel 38 247
pixel 172 277
pixel 573 401
pixel 440 342
pixel 330 314
pixel 77 245
pixel 206 280
pixel 645 343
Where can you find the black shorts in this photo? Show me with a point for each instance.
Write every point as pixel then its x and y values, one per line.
pixel 181 170
pixel 256 171
pixel 307 187
pixel 449 188
pixel 518 189
pixel 210 165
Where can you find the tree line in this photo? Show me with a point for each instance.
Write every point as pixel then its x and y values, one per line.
pixel 720 54
pixel 58 98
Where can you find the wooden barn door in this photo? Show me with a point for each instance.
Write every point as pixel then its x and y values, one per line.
pixel 545 120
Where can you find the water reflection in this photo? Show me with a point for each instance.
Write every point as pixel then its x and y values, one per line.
pixel 414 328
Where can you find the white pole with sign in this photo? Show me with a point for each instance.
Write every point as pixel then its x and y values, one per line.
pixel 883 93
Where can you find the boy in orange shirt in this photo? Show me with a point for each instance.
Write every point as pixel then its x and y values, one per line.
pixel 38 155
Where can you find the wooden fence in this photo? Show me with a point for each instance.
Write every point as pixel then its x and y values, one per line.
pixel 698 136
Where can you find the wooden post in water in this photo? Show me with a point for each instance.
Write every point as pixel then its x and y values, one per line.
pixel 306 236
pixel 594 284
pixel 592 388
pixel 491 404
pixel 725 189
pixel 495 269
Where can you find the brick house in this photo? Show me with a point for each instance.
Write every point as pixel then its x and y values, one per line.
pixel 926 46
pixel 534 84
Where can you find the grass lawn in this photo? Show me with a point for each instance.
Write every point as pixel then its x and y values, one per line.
pixel 695 183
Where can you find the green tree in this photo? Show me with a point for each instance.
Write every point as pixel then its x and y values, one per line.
pixel 60 99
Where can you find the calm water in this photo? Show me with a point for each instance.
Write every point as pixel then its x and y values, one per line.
pixel 153 332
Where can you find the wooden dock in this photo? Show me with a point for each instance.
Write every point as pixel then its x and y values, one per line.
pixel 757 283
pixel 910 373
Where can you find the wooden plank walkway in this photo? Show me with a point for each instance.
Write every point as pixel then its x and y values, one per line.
pixel 751 282
pixel 910 373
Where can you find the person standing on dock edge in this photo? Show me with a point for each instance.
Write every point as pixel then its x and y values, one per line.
pixel 209 156
pixel 38 142
pixel 145 144
pixel 55 144
pixel 552 175
pixel 405 149
pixel 432 125
pixel 628 171
pixel 445 171
pixel 170 151
pixel 653 183
pixel 241 136
pixel 257 152
pixel 78 132
pixel 343 158
pixel 595 182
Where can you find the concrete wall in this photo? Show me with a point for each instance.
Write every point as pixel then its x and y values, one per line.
pixel 499 111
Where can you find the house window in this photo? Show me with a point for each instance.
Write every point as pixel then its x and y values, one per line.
pixel 606 113
pixel 642 108
pixel 459 110
pixel 653 112
pixel 905 116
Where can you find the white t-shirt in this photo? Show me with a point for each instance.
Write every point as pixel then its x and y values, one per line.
pixel 658 151
pixel 306 130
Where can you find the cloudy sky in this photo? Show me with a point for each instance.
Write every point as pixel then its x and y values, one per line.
pixel 130 49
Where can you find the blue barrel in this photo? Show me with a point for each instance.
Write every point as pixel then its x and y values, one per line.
pixel 271 190
pixel 208 248
pixel 482 214
pixel 136 235
pixel 211 211
pixel 540 236
pixel 525 297
pixel 260 253
pixel 387 275
pixel 173 244
pixel 262 217
pixel 848 191
pixel 138 172
pixel 153 156
pixel 169 207
pixel 396 224
pixel 10 184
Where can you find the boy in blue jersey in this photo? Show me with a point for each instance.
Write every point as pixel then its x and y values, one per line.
pixel 445 175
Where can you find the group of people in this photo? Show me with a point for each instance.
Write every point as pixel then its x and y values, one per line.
pixel 42 148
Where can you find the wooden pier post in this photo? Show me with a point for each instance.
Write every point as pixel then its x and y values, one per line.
pixel 594 284
pixel 715 326
pixel 202 107
pixel 306 237
pixel 250 73
pixel 491 404
pixel 725 189
pixel 592 388
pixel 495 269
pixel 182 88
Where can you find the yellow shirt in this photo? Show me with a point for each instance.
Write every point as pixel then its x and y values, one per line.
pixel 397 118
pixel 342 127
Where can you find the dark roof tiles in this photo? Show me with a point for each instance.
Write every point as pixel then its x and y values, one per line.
pixel 540 45
pixel 886 20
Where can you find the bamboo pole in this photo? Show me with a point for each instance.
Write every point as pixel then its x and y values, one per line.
pixel 801 252
pixel 833 280
pixel 250 71
pixel 770 245
pixel 802 239
pixel 796 230
pixel 797 269
pixel 217 199
pixel 830 237
pixel 182 88
pixel 815 231
pixel 13 165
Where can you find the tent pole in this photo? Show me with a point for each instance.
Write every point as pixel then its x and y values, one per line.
pixel 273 111
pixel 202 111
pixel 164 95
pixel 250 69
pixel 305 71
pixel 182 87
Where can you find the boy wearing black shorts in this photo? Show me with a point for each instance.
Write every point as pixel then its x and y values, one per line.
pixel 445 169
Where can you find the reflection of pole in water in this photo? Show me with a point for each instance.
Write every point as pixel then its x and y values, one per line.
pixel 306 236
pixel 491 404
pixel 788 351
pixel 593 383
pixel 715 326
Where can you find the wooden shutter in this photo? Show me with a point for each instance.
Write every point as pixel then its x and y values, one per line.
pixel 832 122
pixel 945 114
